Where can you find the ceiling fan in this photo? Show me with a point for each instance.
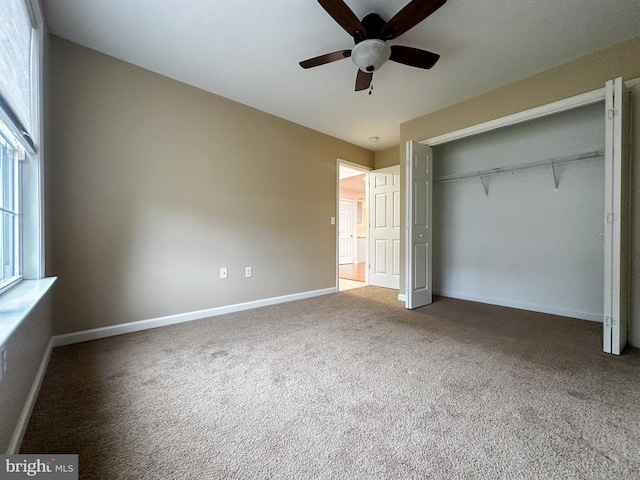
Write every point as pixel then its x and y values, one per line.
pixel 371 35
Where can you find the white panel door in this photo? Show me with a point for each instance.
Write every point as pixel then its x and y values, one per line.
pixel 384 227
pixel 616 177
pixel 419 230
pixel 347 230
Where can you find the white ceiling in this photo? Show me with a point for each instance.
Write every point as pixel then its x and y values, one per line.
pixel 249 51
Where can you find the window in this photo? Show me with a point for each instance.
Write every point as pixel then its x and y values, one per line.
pixel 10 253
pixel 20 159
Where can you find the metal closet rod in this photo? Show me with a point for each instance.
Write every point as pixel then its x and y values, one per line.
pixel 524 166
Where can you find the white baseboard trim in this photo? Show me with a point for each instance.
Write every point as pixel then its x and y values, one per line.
pixel 402 297
pixel 522 305
pixel 103 332
pixel 23 421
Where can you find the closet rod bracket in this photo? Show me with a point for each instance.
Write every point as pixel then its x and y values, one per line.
pixel 556 180
pixel 485 185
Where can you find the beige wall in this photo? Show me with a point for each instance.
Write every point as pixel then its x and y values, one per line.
pixel 582 75
pixel 387 158
pixel 155 185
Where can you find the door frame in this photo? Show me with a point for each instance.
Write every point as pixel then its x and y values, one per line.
pixel 365 170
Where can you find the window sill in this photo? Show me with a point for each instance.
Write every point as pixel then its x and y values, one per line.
pixel 17 303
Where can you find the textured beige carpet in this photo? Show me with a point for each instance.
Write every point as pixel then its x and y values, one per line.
pixel 347 386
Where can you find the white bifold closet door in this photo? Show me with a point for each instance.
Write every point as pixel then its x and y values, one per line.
pixel 419 251
pixel 616 221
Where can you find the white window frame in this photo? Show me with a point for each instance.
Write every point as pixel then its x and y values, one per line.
pixel 30 208
pixel 14 153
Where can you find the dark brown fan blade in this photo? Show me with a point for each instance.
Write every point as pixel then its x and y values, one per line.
pixel 326 58
pixel 363 80
pixel 413 56
pixel 342 14
pixel 411 15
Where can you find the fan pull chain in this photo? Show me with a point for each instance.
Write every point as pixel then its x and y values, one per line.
pixel 371 87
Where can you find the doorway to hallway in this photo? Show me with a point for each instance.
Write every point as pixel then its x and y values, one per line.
pixel 353 271
pixel 352 224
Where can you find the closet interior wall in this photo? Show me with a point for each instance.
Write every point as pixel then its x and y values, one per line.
pixel 513 239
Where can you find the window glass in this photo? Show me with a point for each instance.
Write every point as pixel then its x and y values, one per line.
pixel 9 212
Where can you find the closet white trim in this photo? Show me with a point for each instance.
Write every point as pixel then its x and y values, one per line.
pixel 520 117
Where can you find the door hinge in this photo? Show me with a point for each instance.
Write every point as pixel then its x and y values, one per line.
pixel 611 218
pixel 609 322
pixel 611 113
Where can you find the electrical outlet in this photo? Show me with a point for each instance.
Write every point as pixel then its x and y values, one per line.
pixel 248 272
pixel 223 272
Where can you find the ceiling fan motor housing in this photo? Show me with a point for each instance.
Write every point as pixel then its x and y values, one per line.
pixel 369 55
pixel 370 36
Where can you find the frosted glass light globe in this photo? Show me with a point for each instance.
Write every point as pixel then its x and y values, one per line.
pixel 370 55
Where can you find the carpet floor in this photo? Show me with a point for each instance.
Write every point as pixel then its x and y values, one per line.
pixel 346 386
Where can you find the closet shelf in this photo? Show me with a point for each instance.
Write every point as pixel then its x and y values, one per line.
pixel 553 163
